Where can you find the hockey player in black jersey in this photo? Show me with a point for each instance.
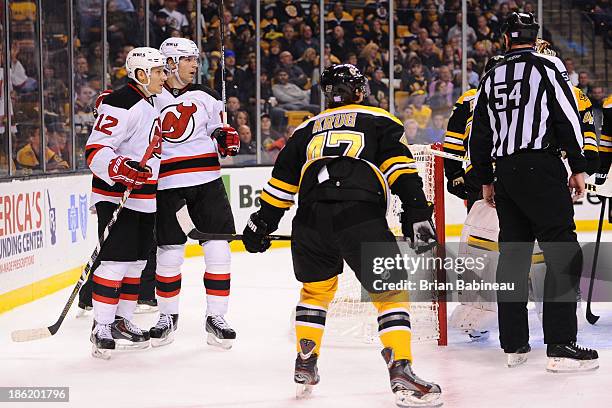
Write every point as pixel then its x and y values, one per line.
pixel 340 162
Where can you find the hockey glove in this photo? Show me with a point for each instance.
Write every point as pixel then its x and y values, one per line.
pixel 417 226
pixel 456 186
pixel 254 234
pixel 128 172
pixel 228 142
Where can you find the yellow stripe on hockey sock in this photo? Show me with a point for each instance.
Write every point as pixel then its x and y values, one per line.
pixel 318 294
pixel 398 340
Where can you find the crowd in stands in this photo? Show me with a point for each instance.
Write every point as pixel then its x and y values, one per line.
pixel 427 60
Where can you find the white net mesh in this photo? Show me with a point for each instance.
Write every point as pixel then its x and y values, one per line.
pixel 348 317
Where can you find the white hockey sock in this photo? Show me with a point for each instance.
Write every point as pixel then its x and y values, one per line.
pixel 107 282
pixel 217 276
pixel 129 290
pixel 168 277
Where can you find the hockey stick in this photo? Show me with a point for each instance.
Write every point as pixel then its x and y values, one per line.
pixel 188 227
pixel 222 34
pixel 604 190
pixel 591 318
pixel 43 332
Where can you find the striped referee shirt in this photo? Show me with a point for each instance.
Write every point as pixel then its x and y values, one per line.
pixel 525 103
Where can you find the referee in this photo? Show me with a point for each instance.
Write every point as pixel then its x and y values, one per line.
pixel 525 114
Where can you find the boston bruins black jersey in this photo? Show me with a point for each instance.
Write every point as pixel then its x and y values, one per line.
pixel 348 153
pixel 605 141
pixel 587 126
pixel 457 132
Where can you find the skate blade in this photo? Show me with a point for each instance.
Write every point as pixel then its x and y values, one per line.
pixel 516 360
pixel 407 399
pixel 103 354
pixel 142 309
pixel 213 340
pixel 162 342
pixel 569 365
pixel 122 344
pixel 303 391
pixel 82 313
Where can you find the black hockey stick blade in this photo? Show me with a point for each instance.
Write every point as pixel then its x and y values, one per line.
pixel 592 318
pixel 206 236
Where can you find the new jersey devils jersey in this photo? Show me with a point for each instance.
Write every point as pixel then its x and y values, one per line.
pixel 125 126
pixel 188 118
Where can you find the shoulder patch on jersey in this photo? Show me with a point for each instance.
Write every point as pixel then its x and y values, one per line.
pixel 205 89
pixel 608 102
pixel 583 101
pixel 468 95
pixel 123 98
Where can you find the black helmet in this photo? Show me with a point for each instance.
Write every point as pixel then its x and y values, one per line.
pixel 493 61
pixel 340 84
pixel 521 28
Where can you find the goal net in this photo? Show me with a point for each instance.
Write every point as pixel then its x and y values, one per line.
pixel 350 318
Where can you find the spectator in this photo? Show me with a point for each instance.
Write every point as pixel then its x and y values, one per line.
pixel 369 59
pixel 339 18
pixel 340 46
pixel 597 97
pixel 328 57
pixel 480 55
pixel 441 99
pixel 177 20
pixel 233 106
pixel 296 75
pixel 584 83
pixel 360 29
pixel 429 54
pixel 472 77
pixel 571 71
pixel 436 33
pixel 57 140
pixel 290 11
pixel 28 157
pixel 312 20
pixel 81 72
pixel 411 131
pixel 21 82
pixel 421 113
pixel 159 29
pixel 308 62
pixel 379 35
pixel 307 40
pixel 415 79
pixel 244 44
pixel 288 41
pixel 247 144
pixel 241 119
pixel 237 75
pixel 269 23
pixel 290 96
pixel 272 60
pixel 455 31
pixel 483 31
pixel 378 89
pixel 436 129
pixel 272 141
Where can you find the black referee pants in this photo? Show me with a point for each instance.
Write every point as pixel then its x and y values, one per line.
pixel 533 202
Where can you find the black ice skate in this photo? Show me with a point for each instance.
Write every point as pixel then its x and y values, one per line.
pixel 146 306
pixel 410 391
pixel 518 357
pixel 163 332
pixel 127 335
pixel 102 341
pixel 568 358
pixel 306 373
pixel 220 334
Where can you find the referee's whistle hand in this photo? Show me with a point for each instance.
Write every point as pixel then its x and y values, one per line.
pixel 488 194
pixel 577 186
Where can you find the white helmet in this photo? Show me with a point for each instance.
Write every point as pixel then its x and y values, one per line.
pixel 145 58
pixel 176 48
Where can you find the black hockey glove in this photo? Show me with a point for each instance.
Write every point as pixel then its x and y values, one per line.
pixel 456 185
pixel 417 226
pixel 254 234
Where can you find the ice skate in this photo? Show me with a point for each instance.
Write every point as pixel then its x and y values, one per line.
pixel 163 332
pixel 83 310
pixel 146 306
pixel 102 341
pixel 129 336
pixel 410 391
pixel 518 357
pixel 220 334
pixel 569 358
pixel 477 335
pixel 306 374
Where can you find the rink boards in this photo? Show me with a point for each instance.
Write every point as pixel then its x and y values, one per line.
pixel 47 232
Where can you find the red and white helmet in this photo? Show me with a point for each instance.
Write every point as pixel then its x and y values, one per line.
pixel 145 58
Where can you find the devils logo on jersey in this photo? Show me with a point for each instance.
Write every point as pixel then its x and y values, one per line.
pixel 156 130
pixel 178 123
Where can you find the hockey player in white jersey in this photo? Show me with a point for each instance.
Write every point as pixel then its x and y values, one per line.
pixel 126 123
pixel 194 137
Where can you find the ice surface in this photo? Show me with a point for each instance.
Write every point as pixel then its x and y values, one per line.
pixel 258 371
